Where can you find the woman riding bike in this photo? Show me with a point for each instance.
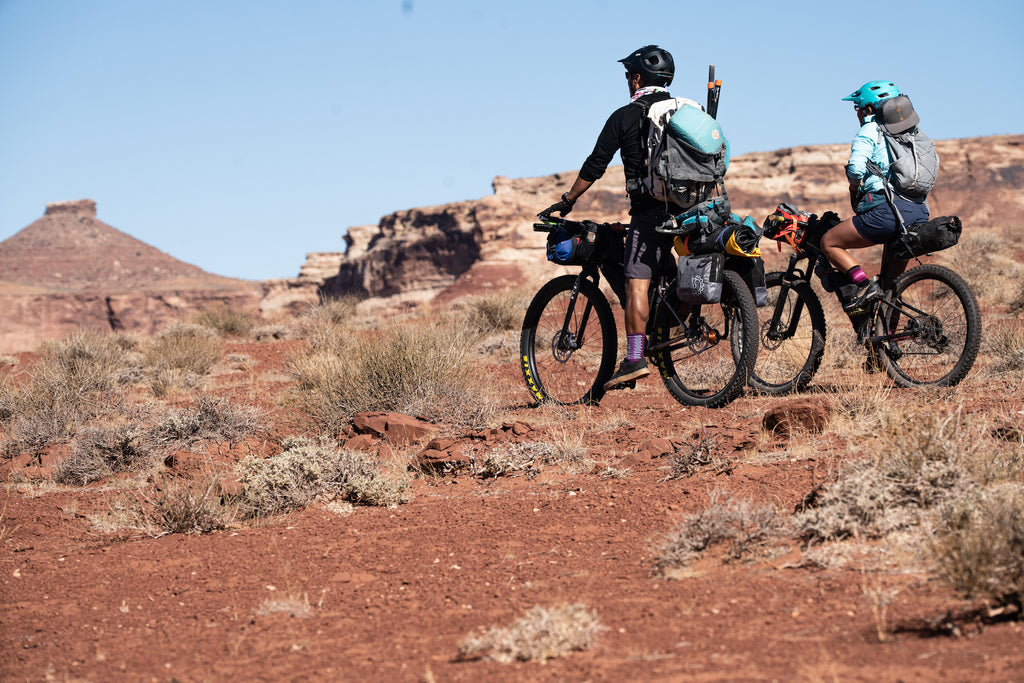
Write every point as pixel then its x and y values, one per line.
pixel 874 222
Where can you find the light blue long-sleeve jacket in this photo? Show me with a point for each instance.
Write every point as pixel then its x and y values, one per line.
pixel 868 145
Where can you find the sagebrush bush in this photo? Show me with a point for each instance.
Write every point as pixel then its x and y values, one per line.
pixel 76 379
pixel 227 321
pixel 742 525
pixel 213 419
pixel 978 544
pixel 416 369
pixel 921 460
pixel 190 348
pixel 307 470
pixel 543 633
pixel 100 451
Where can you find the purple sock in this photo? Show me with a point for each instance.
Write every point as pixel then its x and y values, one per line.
pixel 634 347
pixel 856 275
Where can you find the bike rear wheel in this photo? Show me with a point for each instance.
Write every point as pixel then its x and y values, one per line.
pixel 792 349
pixel 568 346
pixel 708 359
pixel 929 331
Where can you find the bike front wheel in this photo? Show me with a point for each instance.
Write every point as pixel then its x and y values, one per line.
pixel 568 344
pixel 929 330
pixel 792 343
pixel 707 359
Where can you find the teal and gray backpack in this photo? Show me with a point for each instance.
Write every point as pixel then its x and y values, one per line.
pixel 913 160
pixel 686 153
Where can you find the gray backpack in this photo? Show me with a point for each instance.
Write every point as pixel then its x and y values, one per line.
pixel 913 160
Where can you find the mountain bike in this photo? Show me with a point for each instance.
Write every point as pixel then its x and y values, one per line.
pixel 925 331
pixel 569 343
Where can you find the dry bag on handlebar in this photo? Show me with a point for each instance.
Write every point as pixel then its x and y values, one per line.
pixel 577 244
pixel 699 278
pixel 935 235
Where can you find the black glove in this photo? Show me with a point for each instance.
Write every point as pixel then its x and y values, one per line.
pixel 563 207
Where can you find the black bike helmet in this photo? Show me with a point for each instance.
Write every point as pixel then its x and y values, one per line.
pixel 652 63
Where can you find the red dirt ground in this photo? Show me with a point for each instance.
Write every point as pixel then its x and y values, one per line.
pixel 393 591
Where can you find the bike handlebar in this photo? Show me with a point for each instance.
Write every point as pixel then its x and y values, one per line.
pixel 552 223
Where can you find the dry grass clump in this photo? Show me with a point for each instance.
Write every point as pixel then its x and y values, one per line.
pixel 982 259
pixel 543 633
pixel 227 321
pixel 978 544
pixel 744 526
pixel 188 506
pixel 308 470
pixel 1006 343
pixel 496 312
pixel 189 348
pixel 76 379
pixel 410 368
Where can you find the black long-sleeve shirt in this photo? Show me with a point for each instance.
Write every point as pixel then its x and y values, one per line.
pixel 623 132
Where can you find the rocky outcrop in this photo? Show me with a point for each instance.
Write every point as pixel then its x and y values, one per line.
pixel 440 253
pixel 68 270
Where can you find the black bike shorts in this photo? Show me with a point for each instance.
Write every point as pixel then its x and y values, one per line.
pixel 645 248
pixel 878 224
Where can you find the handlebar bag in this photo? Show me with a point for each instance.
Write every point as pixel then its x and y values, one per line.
pixel 568 247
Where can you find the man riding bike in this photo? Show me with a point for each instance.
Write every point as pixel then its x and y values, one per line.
pixel 649 71
pixel 874 222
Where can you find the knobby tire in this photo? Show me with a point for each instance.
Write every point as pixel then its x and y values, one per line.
pixel 699 370
pixel 934 330
pixel 560 365
pixel 790 354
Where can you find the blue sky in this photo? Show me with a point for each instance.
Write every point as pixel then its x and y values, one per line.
pixel 240 135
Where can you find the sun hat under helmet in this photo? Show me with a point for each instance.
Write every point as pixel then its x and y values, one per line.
pixel 872 93
pixel 653 64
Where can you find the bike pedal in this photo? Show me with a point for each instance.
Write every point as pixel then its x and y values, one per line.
pixel 631 384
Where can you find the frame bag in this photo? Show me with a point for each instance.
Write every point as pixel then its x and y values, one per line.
pixel 699 278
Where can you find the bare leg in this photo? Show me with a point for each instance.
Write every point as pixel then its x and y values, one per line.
pixel 837 240
pixel 637 306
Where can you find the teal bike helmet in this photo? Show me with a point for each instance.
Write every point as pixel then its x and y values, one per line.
pixel 872 92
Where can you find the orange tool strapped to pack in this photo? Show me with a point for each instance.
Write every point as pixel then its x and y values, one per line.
pixel 787 224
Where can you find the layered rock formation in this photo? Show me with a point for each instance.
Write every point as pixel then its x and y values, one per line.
pixel 69 269
pixel 443 252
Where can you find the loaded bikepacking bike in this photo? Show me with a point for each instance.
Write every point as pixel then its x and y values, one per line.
pixel 704 353
pixel 924 331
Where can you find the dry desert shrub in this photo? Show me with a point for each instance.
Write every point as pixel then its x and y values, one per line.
pixel 496 312
pixel 404 367
pixel 188 506
pixel 978 544
pixel 76 379
pixel 189 348
pixel 209 419
pixel 565 449
pixel 983 260
pixel 744 526
pixel 226 321
pixel 543 633
pixel 1006 343
pixel 921 461
pixel 308 470
pixel 100 451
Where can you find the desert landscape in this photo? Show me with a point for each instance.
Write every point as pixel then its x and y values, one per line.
pixel 342 475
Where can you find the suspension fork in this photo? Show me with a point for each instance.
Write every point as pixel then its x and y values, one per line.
pixel 792 274
pixel 566 335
